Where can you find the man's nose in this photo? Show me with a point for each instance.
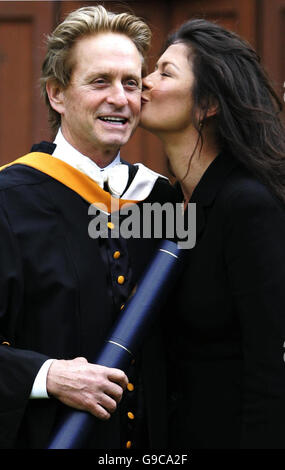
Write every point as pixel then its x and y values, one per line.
pixel 117 96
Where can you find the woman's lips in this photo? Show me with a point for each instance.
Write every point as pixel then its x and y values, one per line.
pixel 144 100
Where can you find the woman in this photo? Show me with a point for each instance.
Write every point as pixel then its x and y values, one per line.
pixel 212 106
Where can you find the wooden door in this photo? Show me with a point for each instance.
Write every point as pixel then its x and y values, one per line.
pixel 272 42
pixel 237 15
pixel 22 113
pixel 23 25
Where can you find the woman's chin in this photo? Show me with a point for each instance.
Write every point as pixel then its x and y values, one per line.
pixel 143 123
pixel 146 124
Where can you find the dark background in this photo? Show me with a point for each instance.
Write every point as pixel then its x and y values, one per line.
pixel 24 24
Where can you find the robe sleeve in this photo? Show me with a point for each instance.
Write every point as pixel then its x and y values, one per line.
pixel 255 257
pixel 18 367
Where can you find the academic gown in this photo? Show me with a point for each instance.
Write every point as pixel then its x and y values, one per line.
pixel 59 299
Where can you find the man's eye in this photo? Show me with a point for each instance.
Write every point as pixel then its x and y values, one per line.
pixel 132 84
pixel 165 74
pixel 99 81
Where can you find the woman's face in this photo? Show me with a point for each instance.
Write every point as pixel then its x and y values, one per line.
pixel 167 96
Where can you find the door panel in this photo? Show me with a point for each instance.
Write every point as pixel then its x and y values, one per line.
pixel 15 88
pixel 272 27
pixel 236 15
pixel 23 117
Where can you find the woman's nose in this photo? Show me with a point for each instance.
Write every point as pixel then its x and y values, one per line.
pixel 147 83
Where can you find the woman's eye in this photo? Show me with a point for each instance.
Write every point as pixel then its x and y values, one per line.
pixel 165 74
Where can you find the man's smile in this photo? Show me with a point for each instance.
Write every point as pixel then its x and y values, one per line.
pixel 114 119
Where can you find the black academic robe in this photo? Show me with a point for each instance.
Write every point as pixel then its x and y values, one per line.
pixel 227 325
pixel 59 298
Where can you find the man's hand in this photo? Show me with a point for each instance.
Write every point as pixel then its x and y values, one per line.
pixel 88 387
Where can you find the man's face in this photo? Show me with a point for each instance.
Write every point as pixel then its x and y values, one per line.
pixel 101 105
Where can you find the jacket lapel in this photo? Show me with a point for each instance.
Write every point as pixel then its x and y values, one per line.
pixel 207 189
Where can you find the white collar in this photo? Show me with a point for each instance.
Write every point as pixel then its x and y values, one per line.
pixel 140 187
pixel 65 152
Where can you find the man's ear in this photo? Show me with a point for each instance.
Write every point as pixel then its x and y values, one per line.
pixel 56 95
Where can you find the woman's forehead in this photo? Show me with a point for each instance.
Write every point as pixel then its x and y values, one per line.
pixel 175 53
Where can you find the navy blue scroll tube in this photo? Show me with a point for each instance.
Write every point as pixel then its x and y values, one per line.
pixel 127 335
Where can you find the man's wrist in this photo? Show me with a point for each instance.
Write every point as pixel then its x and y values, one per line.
pixel 39 389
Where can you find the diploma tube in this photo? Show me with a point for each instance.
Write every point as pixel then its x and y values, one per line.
pixel 128 334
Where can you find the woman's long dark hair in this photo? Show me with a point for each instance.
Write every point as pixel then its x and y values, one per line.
pixel 227 71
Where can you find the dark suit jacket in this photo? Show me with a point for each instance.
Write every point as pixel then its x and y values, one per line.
pixel 59 299
pixel 227 324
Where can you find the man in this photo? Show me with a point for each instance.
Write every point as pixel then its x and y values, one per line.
pixel 61 290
